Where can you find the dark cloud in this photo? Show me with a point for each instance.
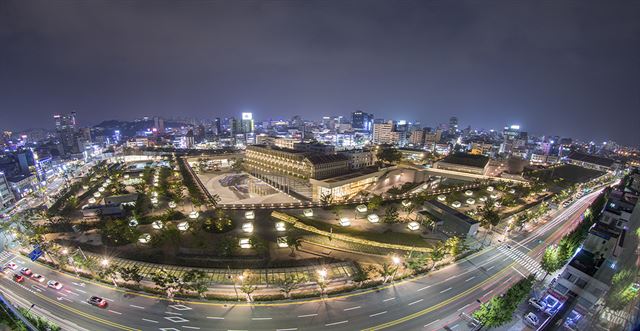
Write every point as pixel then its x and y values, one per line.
pixel 558 67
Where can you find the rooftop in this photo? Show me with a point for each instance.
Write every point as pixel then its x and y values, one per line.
pixel 471 160
pixel 325 158
pixel 586 262
pixel 449 210
pixel 588 158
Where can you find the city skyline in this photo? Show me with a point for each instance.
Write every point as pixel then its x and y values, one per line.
pixel 427 62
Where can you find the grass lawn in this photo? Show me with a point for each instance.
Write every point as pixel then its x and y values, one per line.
pixel 386 237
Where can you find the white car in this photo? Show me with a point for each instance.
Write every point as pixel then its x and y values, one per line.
pixel 537 304
pixel 38 278
pixel 11 266
pixel 54 284
pixel 532 319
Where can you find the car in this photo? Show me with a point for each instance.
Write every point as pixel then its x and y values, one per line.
pixel 54 284
pixel 26 271
pixel 11 266
pixel 98 301
pixel 18 278
pixel 532 319
pixel 537 304
pixel 38 278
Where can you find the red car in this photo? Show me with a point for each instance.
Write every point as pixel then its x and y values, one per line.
pixel 98 302
pixel 18 278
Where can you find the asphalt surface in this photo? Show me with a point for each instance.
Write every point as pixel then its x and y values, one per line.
pixel 431 302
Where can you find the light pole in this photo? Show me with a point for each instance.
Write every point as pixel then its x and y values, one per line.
pixel 396 262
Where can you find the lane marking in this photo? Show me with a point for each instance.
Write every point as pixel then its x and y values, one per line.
pixel 518 271
pixel 426 325
pixel 424 288
pixel 468 279
pixel 290 329
pixel 413 303
pixel 81 291
pixel 215 318
pixel 308 315
pixel 134 306
pixel 491 267
pixel 463 307
pixel 148 320
pixel 376 314
pixel 389 299
pixel 453 327
pixel 172 313
pixel 484 295
pixel 190 327
pixel 450 278
pixel 115 312
pixel 261 318
pixel 336 323
pixel 447 290
pixel 352 308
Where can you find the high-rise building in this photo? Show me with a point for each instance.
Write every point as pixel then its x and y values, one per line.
pixel 453 125
pixel 217 126
pixel 158 124
pixel 361 121
pixel 66 129
pixel 247 122
pixel 382 133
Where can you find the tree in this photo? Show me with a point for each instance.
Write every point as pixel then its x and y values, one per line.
pixel 360 275
pixel 166 282
pixel 387 272
pixel 293 242
pixel 389 154
pixel 390 214
pixel 550 261
pixel 622 291
pixel 417 261
pixel 131 274
pixel 455 245
pixel 195 280
pixel 248 286
pixel 326 199
pixel 290 282
pixel 237 165
pixel 489 217
pixel 437 253
pixel 375 202
pixel 499 310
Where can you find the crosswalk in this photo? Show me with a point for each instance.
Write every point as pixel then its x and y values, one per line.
pixel 5 256
pixel 523 259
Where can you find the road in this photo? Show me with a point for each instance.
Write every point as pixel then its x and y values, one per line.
pixel 430 302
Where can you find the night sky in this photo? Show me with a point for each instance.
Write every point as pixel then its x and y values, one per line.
pixel 570 68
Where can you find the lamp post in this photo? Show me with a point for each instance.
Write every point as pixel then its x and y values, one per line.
pixel 396 262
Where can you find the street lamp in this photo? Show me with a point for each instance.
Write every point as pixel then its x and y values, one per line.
pixel 396 261
pixel 104 262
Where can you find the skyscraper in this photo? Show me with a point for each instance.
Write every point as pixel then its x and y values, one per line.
pixel 361 121
pixel 453 125
pixel 247 122
pixel 66 127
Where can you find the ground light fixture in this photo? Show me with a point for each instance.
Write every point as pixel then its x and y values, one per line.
pixel 183 226
pixel 157 225
pixel 194 214
pixel 247 227
pixel 413 225
pixel 145 238
pixel 282 242
pixel 244 243
pixel 468 193
pixel 280 227
pixel 471 201
pixel 308 212
pixel 456 204
pixel 361 208
pixel 490 188
pixel 442 197
pixel 373 218
pixel 133 222
pixel 345 222
pixel 172 204
pixel 406 203
pixel 250 215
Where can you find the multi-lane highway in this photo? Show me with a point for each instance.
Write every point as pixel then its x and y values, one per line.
pixel 430 302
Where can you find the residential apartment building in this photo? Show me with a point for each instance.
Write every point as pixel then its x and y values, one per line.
pixel 6 196
pixel 383 133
